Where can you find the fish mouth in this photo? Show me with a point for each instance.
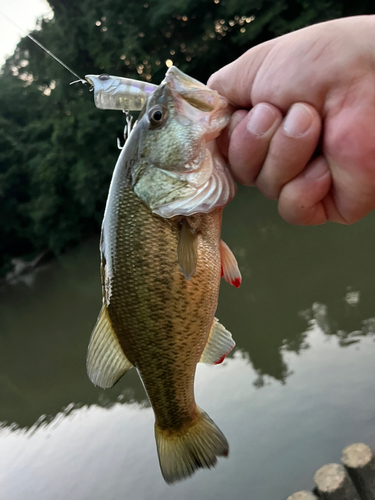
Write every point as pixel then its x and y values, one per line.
pixel 194 92
pixel 179 80
pixel 197 103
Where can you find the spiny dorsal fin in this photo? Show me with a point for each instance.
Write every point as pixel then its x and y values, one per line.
pixel 219 344
pixel 197 445
pixel 106 362
pixel 187 250
pixel 229 266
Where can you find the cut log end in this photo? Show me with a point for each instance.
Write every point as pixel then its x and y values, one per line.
pixel 356 456
pixel 330 477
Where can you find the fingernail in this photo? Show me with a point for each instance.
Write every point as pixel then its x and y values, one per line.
pixel 298 120
pixel 261 119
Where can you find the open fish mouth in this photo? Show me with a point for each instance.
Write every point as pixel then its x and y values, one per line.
pixel 195 101
pixel 194 92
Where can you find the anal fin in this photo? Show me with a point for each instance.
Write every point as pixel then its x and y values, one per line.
pixel 106 361
pixel 219 344
pixel 229 266
pixel 187 250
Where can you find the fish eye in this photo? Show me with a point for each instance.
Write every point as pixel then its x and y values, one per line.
pixel 157 116
pixel 104 77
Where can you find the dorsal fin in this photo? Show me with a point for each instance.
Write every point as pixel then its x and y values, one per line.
pixel 229 266
pixel 219 344
pixel 106 361
pixel 187 250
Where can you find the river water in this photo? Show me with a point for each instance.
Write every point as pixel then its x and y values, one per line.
pixel 296 390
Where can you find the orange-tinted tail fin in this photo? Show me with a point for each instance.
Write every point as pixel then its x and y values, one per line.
pixel 195 446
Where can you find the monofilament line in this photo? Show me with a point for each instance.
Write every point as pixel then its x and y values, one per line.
pixel 44 48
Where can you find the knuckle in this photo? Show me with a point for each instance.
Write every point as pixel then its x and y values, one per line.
pixel 293 211
pixel 351 143
pixel 303 216
pixel 267 188
pixel 296 207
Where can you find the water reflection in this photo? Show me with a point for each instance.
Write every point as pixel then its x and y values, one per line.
pixel 294 279
pixel 44 333
pixel 288 269
pixel 284 432
pixel 304 323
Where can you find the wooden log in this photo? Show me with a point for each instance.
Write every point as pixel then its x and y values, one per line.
pixel 333 483
pixel 359 461
pixel 302 495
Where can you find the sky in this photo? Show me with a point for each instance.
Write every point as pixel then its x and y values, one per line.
pixel 22 12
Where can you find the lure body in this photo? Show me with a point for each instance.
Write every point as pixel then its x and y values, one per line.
pixel 117 93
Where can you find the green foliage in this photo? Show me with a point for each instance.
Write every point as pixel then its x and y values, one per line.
pixel 57 151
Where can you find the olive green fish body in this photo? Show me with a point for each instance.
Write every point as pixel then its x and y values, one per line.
pixel 162 320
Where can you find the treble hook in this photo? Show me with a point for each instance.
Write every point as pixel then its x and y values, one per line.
pixel 127 128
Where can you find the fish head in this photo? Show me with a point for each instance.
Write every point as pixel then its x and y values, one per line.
pixel 172 156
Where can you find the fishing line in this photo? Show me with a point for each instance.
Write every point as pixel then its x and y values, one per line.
pixel 46 50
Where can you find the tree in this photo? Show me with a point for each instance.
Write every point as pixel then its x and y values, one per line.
pixel 57 151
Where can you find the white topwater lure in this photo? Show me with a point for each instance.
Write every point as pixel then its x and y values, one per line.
pixel 118 93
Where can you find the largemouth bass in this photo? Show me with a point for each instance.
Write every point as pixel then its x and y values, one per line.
pixel 161 264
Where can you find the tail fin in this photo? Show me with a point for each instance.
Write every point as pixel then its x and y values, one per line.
pixel 181 453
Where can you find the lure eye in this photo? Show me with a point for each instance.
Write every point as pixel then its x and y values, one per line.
pixel 104 77
pixel 157 116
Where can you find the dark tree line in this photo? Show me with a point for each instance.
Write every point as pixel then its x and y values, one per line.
pixel 57 151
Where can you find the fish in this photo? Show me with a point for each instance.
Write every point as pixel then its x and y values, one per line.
pixel 162 259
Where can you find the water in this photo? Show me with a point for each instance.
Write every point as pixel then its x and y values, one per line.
pixel 297 389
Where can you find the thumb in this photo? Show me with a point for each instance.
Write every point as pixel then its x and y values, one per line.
pixel 235 81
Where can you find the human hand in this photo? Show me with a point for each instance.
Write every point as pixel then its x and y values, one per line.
pixel 312 87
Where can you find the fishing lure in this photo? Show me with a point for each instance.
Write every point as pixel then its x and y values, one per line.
pixel 119 93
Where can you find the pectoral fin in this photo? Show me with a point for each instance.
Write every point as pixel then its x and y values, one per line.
pixel 187 250
pixel 106 362
pixel 219 344
pixel 229 266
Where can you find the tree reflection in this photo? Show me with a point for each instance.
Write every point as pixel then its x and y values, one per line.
pixel 293 282
pixel 294 278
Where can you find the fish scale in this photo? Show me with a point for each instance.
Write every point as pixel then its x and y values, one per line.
pixel 161 319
